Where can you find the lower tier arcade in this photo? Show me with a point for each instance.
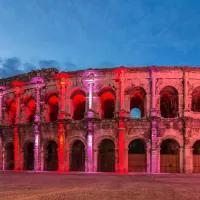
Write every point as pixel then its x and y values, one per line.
pixel 132 145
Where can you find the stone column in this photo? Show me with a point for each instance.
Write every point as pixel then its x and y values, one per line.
pixel 153 147
pixel 153 99
pixel 16 133
pixel 89 160
pixel 121 131
pixel 61 128
pixel 158 160
pixel 95 163
pixel 1 107
pixel 90 115
pixel 126 160
pixel 121 126
pixel 37 164
pixel 188 159
pixel 61 142
pixel 181 160
pixel 1 154
pixel 186 91
pixel 62 106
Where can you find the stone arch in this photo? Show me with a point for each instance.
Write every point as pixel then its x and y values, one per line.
pixel 77 156
pixel 169 102
pixel 9 155
pixel 78 98
pixel 107 102
pixel 196 156
pixel 71 141
pixel 11 110
pixel 147 144
pixel 51 155
pixel 137 155
pixel 106 156
pixel 73 89
pixel 45 142
pixel 30 105
pixel 28 155
pixel 171 137
pixel 52 101
pixel 170 156
pixel 195 104
pixel 100 139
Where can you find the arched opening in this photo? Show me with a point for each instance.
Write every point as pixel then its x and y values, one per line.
pixel 137 159
pixel 169 102
pixel 53 107
pixel 137 101
pixel 107 100
pixel 196 100
pixel 12 110
pixel 9 156
pixel 51 157
pixel 77 156
pixel 29 156
pixel 106 156
pixel 169 156
pixel 78 103
pixel 31 109
pixel 196 157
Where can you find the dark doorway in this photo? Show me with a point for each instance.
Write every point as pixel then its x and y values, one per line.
pixel 51 158
pixel 77 157
pixel 53 113
pixel 9 156
pixel 106 156
pixel 29 156
pixel 169 102
pixel 196 157
pixel 169 156
pixel 53 107
pixel 137 159
pixel 79 111
pixel 109 108
pixel 107 99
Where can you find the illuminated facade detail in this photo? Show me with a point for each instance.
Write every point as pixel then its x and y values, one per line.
pixel 82 121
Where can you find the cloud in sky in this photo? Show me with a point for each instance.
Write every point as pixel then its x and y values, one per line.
pixel 90 34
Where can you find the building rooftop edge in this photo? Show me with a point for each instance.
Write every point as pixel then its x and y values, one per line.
pixel 50 72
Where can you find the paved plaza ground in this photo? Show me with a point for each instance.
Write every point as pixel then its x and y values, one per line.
pixel 50 185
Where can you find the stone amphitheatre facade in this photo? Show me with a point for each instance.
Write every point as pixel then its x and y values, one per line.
pixel 139 119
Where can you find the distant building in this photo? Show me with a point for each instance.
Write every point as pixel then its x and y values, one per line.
pixel 85 121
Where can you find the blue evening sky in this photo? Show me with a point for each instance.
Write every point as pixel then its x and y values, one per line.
pixel 80 34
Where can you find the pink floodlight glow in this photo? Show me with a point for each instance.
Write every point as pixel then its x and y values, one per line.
pixel 37 79
pixel 36 140
pixel 89 153
pixel 90 93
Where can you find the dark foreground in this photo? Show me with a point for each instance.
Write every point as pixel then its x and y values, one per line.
pixel 47 186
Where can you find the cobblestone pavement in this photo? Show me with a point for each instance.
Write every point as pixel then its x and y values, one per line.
pixel 50 185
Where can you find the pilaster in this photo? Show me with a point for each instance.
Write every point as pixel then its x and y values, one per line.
pixel 61 130
pixel 16 132
pixel 154 146
pixel 89 137
pixel 121 126
pixel 37 155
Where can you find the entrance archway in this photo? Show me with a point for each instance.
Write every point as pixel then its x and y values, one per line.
pixel 106 156
pixel 77 156
pixel 9 156
pixel 137 159
pixel 196 157
pixel 170 156
pixel 29 156
pixel 51 158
